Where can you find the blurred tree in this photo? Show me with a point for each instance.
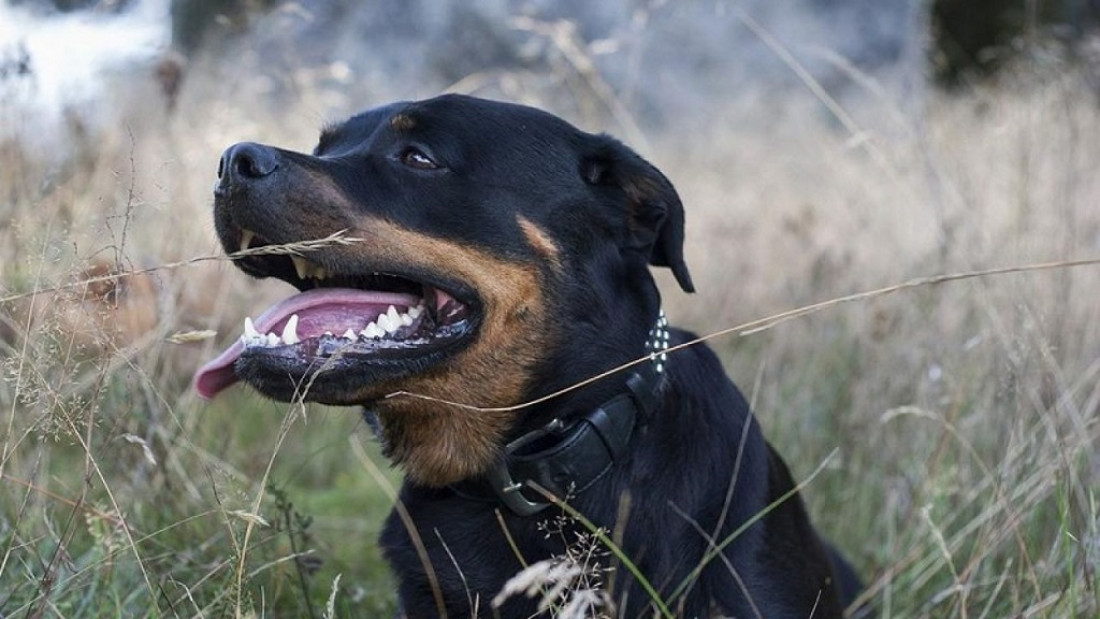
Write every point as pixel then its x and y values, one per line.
pixel 66 6
pixel 976 37
pixel 192 19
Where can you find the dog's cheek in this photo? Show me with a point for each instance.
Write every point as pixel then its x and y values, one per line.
pixel 439 444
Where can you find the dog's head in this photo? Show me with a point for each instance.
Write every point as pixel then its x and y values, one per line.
pixel 490 253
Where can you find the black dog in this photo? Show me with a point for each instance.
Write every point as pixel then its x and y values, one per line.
pixel 498 255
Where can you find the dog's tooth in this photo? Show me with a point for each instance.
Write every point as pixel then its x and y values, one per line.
pixel 301 267
pixel 373 331
pixel 385 324
pixel 290 331
pixel 406 319
pixel 394 317
pixel 350 335
pixel 246 239
pixel 272 340
pixel 415 311
pixel 250 331
pixel 319 272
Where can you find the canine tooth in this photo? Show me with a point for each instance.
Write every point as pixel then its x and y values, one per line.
pixel 385 324
pixel 372 331
pixel 246 239
pixel 350 335
pixel 301 267
pixel 290 331
pixel 250 331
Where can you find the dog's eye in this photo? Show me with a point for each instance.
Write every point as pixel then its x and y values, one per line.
pixel 416 159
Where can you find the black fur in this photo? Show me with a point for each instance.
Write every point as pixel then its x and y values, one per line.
pixel 697 469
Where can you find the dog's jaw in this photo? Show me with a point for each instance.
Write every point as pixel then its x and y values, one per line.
pixel 458 433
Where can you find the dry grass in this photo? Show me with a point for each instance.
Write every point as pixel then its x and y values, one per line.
pixel 965 414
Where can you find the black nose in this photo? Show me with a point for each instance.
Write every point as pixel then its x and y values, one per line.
pixel 246 161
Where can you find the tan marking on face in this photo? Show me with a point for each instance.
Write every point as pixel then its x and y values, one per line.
pixel 402 122
pixel 540 241
pixel 439 444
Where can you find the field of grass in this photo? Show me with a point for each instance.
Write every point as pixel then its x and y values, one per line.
pixel 958 423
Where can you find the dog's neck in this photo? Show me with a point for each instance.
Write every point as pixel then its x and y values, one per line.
pixel 564 458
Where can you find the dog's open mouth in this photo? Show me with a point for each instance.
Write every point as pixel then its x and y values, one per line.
pixel 376 324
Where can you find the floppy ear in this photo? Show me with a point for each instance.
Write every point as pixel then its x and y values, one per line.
pixel 655 214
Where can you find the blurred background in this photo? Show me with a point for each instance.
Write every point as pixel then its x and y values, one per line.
pixel 821 147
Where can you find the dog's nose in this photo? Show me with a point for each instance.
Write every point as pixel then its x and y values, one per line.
pixel 246 161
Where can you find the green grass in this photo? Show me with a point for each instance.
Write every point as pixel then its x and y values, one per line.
pixel 165 539
pixel 964 416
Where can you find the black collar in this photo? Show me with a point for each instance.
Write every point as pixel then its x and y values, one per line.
pixel 568 457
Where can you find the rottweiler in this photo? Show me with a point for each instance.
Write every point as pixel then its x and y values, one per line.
pixel 491 257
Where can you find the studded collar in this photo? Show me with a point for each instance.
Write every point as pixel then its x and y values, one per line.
pixel 568 457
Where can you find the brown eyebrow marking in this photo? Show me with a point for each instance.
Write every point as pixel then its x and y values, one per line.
pixel 403 122
pixel 540 240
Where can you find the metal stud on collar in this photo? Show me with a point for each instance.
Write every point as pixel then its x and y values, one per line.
pixel 584 448
pixel 657 343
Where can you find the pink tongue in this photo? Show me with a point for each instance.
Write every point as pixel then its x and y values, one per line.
pixel 319 310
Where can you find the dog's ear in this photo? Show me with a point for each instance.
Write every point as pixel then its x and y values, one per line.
pixel 655 215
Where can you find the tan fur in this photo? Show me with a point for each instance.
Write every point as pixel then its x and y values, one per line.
pixel 540 241
pixel 440 444
pixel 402 122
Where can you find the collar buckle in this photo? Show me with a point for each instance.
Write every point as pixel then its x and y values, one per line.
pixel 508 491
pixel 560 456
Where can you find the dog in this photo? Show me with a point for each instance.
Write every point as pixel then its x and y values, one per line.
pixel 488 259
